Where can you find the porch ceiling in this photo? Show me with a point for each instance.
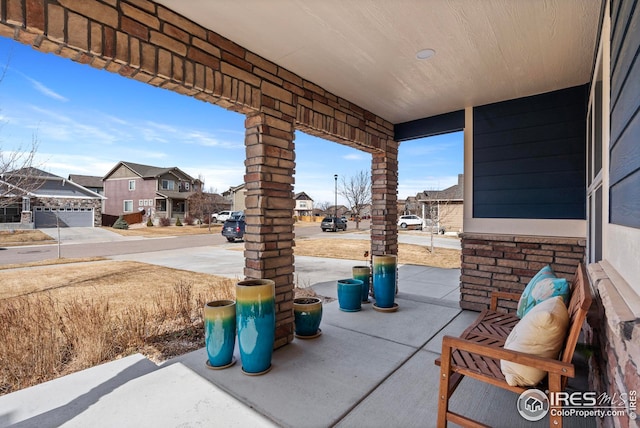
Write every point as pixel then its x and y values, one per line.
pixel 365 50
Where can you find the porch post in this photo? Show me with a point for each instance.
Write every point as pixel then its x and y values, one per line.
pixel 384 200
pixel 270 165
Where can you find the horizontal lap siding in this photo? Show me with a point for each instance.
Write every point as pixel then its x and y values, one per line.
pixel 529 157
pixel 625 115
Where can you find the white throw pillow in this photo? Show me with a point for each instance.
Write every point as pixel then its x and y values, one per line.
pixel 540 332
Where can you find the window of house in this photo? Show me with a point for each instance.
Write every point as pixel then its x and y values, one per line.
pixel 303 204
pixel 186 186
pixel 167 184
pixel 161 205
pixel 26 204
pixel 128 206
pixel 132 184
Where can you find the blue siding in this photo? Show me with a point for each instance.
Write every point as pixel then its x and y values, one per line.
pixel 429 126
pixel 624 174
pixel 529 157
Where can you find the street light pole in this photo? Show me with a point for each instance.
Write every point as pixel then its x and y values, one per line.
pixel 335 205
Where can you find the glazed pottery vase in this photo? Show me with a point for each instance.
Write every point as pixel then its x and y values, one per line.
pixel 307 312
pixel 384 280
pixel 220 332
pixel 350 294
pixel 256 319
pixel 363 273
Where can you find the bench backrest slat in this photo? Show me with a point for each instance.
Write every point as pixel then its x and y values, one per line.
pixel 578 307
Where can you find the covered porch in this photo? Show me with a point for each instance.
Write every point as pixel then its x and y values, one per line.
pixel 544 92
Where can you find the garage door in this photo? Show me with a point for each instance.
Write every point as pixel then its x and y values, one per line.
pixel 64 217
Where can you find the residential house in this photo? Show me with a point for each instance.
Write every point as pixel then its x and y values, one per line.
pixel 236 195
pixel 304 205
pixel 445 207
pixel 545 92
pixel 91 182
pixel 160 191
pixel 39 199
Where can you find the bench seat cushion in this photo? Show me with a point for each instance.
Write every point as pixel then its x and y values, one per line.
pixel 540 332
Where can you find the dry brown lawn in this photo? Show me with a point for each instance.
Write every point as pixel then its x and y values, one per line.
pixel 352 249
pixel 154 231
pixel 12 238
pixel 62 318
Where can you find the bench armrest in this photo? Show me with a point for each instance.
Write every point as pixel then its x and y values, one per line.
pixel 504 295
pixel 548 365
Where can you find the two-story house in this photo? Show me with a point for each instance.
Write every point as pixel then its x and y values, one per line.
pixel 304 205
pixel 160 192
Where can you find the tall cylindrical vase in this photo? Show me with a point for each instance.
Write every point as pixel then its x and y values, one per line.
pixel 220 333
pixel 384 281
pixel 363 273
pixel 256 319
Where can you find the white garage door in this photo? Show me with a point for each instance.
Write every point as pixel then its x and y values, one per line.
pixel 63 217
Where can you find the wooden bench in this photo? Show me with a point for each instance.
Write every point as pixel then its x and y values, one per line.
pixel 479 349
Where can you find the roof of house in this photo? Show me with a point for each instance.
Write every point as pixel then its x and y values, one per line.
pixel 46 185
pixel 303 196
pixel 148 171
pixel 86 180
pixel 453 193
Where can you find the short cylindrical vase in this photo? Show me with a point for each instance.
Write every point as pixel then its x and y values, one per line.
pixel 256 319
pixel 363 273
pixel 220 332
pixel 307 313
pixel 384 280
pixel 350 294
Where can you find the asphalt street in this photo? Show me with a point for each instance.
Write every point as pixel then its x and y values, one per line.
pixel 100 242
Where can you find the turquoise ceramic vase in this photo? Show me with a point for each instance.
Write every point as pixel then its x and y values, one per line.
pixel 363 273
pixel 220 332
pixel 384 280
pixel 307 313
pixel 256 319
pixel 350 294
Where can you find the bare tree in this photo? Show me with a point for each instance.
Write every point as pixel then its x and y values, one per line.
pixel 204 203
pixel 323 206
pixel 357 191
pixel 436 210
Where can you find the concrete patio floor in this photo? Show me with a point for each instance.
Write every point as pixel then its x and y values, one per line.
pixel 366 369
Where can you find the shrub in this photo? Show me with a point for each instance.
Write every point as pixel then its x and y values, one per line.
pixel 149 222
pixel 120 224
pixel 164 221
pixel 178 222
pixel 190 220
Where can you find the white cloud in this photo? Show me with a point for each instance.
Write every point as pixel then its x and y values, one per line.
pixel 44 90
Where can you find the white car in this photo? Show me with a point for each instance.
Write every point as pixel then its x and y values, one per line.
pixel 223 216
pixel 410 221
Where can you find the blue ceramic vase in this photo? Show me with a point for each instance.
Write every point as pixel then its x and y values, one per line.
pixel 256 319
pixel 363 273
pixel 350 294
pixel 384 280
pixel 220 332
pixel 307 313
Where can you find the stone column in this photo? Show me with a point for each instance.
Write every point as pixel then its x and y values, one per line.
pixel 270 165
pixel 384 212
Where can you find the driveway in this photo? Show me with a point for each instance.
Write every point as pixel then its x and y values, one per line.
pixel 83 235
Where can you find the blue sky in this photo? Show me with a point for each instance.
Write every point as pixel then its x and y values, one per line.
pixel 86 120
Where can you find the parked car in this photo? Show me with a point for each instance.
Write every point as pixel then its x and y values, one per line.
pixel 344 218
pixel 233 228
pixel 410 221
pixel 333 223
pixel 223 216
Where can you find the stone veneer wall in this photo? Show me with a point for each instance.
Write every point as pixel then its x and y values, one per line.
pixel 614 333
pixel 507 263
pixel 146 41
